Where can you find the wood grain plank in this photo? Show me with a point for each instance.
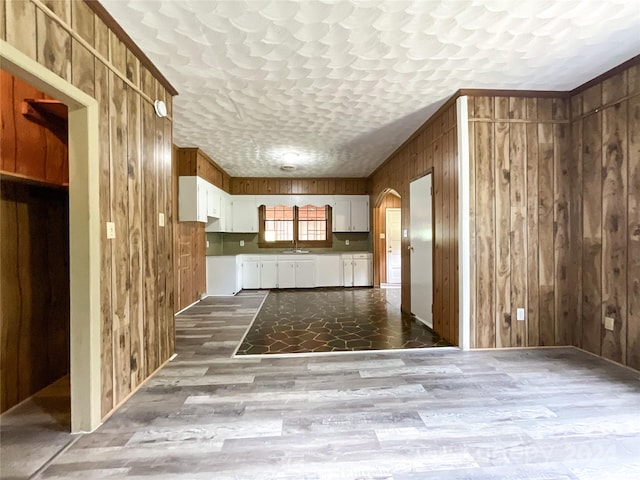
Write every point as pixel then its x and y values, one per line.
pixel 445 237
pixel 120 258
pixel 592 233
pixel 149 232
pixel 614 234
pixel 575 272
pixel 136 273
pixel 22 18
pixel 633 261
pixel 101 88
pixel 161 247
pixel 561 241
pixel 170 327
pixel 533 285
pixel 502 236
pixel 518 239
pixel 545 233
pixel 53 46
pixel 3 17
pixel 438 253
pixel 485 227
pixel 473 222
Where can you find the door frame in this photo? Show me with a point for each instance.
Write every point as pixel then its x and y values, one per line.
pixel 429 171
pixel 386 229
pixel 379 253
pixel 84 233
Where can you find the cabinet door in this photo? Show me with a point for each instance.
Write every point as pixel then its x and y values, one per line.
pixel 268 274
pixel 251 274
pixel 341 221
pixel 305 274
pixel 328 271
pixel 360 214
pixel 347 272
pixel 286 274
pixel 361 272
pixel 213 201
pixel 245 215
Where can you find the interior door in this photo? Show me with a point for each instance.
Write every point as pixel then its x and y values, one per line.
pixel 393 236
pixel 421 248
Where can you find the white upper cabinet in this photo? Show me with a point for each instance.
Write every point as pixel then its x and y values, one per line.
pixel 192 199
pixel 213 201
pixel 350 213
pixel 244 215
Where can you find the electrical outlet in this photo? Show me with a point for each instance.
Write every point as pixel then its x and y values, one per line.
pixel 346 242
pixel 242 243
pixel 520 314
pixel 161 219
pixel 111 230
pixel 382 236
pixel 609 323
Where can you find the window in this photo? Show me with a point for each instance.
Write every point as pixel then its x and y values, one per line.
pixel 307 226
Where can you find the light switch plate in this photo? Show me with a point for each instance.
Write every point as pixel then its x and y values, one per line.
pixel 405 233
pixel 520 314
pixel 111 230
pixel 161 219
pixel 242 243
pixel 207 243
pixel 382 236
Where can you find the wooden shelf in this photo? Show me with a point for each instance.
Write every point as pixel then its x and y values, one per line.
pixel 36 107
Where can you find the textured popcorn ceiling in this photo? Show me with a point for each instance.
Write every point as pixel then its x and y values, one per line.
pixel 344 83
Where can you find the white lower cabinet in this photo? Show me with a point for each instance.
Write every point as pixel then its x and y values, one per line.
pixel 286 273
pixel 251 272
pixel 357 270
pixel 305 273
pixel 328 271
pixel 268 273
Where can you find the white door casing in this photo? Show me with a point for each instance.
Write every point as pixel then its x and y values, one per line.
pixel 421 248
pixel 393 244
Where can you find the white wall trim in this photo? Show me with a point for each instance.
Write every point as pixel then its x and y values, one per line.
pixel 464 234
pixel 84 233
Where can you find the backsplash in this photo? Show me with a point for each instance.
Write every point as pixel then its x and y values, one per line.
pixel 229 244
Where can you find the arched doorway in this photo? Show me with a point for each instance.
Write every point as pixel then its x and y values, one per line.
pixel 387 239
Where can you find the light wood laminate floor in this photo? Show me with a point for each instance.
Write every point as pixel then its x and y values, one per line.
pixel 554 413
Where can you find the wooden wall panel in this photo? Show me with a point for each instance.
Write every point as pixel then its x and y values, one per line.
pixel 606 119
pixel 520 253
pixel 34 269
pixel 137 336
pixel 633 260
pixel 193 161
pixel 433 149
pixel 298 186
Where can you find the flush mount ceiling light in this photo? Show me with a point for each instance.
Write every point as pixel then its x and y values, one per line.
pixel 290 157
pixel 161 108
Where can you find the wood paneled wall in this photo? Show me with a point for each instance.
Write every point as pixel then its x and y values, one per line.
pixel 606 178
pixel 434 148
pixel 190 239
pixel 34 298
pixel 137 290
pixel 520 221
pixel 298 186
pixel 28 149
pixel 194 162
pixel 380 244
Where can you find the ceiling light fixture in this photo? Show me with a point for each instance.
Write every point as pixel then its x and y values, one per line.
pixel 290 156
pixel 288 168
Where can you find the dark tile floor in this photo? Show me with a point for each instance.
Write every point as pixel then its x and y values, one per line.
pixel 332 320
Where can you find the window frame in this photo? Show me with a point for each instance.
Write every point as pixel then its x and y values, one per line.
pixel 295 243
